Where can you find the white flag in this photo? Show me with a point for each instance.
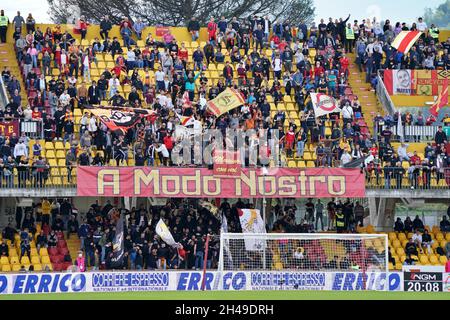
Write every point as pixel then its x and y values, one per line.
pixel 400 128
pixel 251 222
pixel 164 233
pixel 324 104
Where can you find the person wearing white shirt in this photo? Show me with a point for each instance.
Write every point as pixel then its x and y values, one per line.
pixel 345 158
pixel 417 238
pixel 277 65
pixel 28 113
pixel 64 99
pixel 63 59
pixel 402 153
pixel 421 25
pixel 92 126
pixel 86 68
pixel 347 113
pixel 161 148
pixel 131 59
pixel 20 150
pixel 114 84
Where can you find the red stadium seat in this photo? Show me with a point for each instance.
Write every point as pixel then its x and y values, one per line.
pixel 57 266
pixel 52 251
pixel 63 251
pixel 62 244
pixel 57 258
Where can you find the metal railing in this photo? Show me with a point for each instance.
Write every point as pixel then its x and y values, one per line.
pixel 37 178
pixel 414 133
pixel 419 180
pixel 32 129
pixel 383 95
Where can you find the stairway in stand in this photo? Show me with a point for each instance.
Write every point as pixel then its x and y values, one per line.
pixel 73 244
pixel 8 59
pixel 367 97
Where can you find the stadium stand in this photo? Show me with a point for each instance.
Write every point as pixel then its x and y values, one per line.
pixel 50 76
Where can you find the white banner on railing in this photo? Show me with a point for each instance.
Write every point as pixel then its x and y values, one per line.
pixel 127 281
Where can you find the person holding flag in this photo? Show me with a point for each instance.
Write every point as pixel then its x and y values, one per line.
pixel 441 101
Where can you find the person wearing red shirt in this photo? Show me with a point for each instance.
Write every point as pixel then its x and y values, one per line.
pixel 117 70
pixel 168 142
pixel 289 139
pixel 183 54
pixel 36 115
pixel 212 31
pixel 282 45
pixel 82 26
pixel 318 72
pixel 344 65
pixel 415 158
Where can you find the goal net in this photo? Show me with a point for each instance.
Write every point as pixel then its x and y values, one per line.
pixel 304 252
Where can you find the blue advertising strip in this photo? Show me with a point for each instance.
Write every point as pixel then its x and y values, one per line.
pixel 349 281
pixel 29 283
pixel 44 283
pixel 272 280
pixel 130 281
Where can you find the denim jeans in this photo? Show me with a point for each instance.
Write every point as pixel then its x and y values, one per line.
pixel 300 148
pixel 199 259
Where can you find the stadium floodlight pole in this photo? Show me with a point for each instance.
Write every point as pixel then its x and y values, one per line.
pixel 205 261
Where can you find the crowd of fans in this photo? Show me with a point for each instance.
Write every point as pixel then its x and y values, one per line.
pixel 159 71
pixel 421 242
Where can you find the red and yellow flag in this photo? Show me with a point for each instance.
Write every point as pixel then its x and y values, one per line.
pixel 441 101
pixel 226 101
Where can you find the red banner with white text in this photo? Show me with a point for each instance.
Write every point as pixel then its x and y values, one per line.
pixel 169 182
pixel 7 128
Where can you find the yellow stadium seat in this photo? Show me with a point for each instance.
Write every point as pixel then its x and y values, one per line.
pixel 12 253
pixel 400 251
pixel 301 164
pixel 433 259
pixel 4 260
pixel 14 260
pixel 60 154
pixel 37 267
pixel 443 260
pixel 45 259
pixel 398 266
pixel 50 154
pixel 391 266
pixel 43 252
pixel 35 260
pixel 16 267
pixel 443 243
pixel 25 260
pixel 292 164
pixel 392 236
pixel 370 229
pixel 59 145
pixel 401 236
pixel 402 259
pixel 48 145
pixel 310 164
pixel 447 236
pixel 6 268
pixel 424 260
pixel 439 236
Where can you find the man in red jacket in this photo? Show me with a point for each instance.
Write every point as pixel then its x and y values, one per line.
pixel 212 31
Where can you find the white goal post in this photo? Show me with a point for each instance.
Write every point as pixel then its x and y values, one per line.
pixel 326 252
